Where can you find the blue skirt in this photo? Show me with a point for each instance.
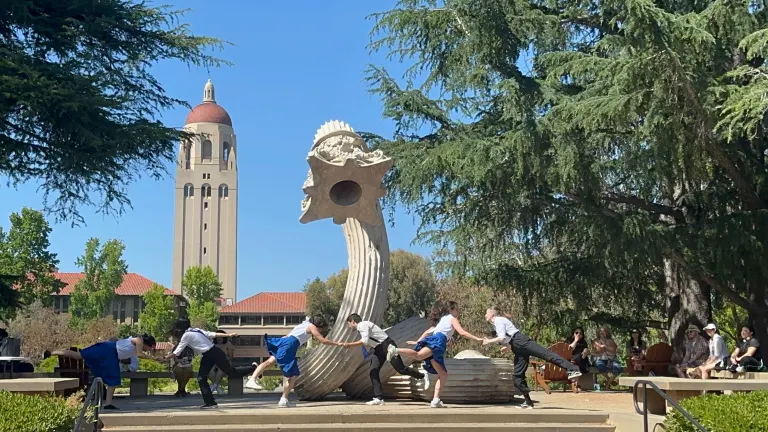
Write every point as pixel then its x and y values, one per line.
pixel 283 349
pixel 102 360
pixel 437 343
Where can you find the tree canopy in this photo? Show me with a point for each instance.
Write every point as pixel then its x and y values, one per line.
pixel 79 103
pixel 202 288
pixel 412 287
pixel 24 254
pixel 586 155
pixel 159 313
pixel 103 271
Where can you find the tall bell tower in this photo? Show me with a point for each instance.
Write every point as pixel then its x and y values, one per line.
pixel 205 223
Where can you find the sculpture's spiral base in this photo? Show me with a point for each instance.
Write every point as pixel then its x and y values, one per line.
pixel 325 368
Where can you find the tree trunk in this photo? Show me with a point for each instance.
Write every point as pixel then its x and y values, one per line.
pixel 688 302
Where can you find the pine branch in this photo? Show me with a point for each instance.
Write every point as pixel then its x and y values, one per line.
pixel 648 206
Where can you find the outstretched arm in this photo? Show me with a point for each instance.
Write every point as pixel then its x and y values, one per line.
pixel 459 329
pixel 423 335
pixel 312 329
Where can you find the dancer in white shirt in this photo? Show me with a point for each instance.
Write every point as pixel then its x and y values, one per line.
pixel 373 336
pixel 201 343
pixel 282 350
pixel 431 349
pixel 524 347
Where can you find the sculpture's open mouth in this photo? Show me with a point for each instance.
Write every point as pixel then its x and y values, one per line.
pixel 345 193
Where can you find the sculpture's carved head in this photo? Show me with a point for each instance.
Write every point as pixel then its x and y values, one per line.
pixel 344 179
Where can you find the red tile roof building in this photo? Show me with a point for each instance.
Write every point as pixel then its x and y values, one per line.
pixel 133 284
pixel 270 302
pixel 127 304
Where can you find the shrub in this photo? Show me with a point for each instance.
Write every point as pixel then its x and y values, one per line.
pixel 271 382
pixel 47 365
pixel 742 412
pixel 22 413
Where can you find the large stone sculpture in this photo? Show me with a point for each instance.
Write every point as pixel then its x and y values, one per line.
pixel 359 385
pixel 344 183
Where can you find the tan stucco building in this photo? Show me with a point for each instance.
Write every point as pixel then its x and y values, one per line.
pixel 205 223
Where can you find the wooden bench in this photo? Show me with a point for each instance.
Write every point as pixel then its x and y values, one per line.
pixel 39 386
pixel 682 388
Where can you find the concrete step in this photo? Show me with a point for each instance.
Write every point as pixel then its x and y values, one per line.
pixel 394 417
pixel 377 427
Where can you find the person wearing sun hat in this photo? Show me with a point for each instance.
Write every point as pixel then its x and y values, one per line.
pixel 718 352
pixel 696 351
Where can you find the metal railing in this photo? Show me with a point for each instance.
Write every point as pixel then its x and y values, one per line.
pixel 660 392
pixel 93 398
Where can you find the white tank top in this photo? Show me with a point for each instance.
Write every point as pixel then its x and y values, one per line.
pixel 300 332
pixel 444 326
pixel 125 349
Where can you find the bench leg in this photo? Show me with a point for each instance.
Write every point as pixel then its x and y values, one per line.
pixel 235 386
pixel 587 382
pixel 543 383
pixel 656 404
pixel 139 387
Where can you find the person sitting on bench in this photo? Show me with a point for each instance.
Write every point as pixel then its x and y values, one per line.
pixel 747 355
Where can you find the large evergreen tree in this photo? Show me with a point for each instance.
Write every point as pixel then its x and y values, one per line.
pixel 602 156
pixel 79 103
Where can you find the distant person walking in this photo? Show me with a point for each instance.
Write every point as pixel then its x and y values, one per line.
pixel 373 336
pixel 524 347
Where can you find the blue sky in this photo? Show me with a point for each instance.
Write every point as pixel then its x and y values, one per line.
pixel 296 65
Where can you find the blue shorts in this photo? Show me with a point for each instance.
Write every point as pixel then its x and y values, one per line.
pixel 283 349
pixel 437 343
pixel 102 360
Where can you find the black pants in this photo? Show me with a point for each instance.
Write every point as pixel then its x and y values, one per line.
pixel 215 357
pixel 581 362
pixel 378 360
pixel 524 348
pixel 749 362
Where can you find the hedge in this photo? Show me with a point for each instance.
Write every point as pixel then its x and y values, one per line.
pixel 22 413
pixel 740 412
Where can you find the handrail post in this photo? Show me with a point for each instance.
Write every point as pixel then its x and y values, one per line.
pixel 675 405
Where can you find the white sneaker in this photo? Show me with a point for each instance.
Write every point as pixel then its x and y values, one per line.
pixel 740 369
pixel 426 380
pixel 391 352
pixel 436 403
pixel 574 375
pixel 283 403
pixel 253 384
pixel 375 401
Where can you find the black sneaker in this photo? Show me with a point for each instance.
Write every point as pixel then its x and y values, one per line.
pixel 177 394
pixel 526 405
pixel 210 406
pixel 109 407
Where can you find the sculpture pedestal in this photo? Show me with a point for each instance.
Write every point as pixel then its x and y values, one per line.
pixel 471 380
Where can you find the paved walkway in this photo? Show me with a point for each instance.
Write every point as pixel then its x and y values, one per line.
pixel 617 404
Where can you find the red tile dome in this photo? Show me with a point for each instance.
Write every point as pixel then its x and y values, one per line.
pixel 209 112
